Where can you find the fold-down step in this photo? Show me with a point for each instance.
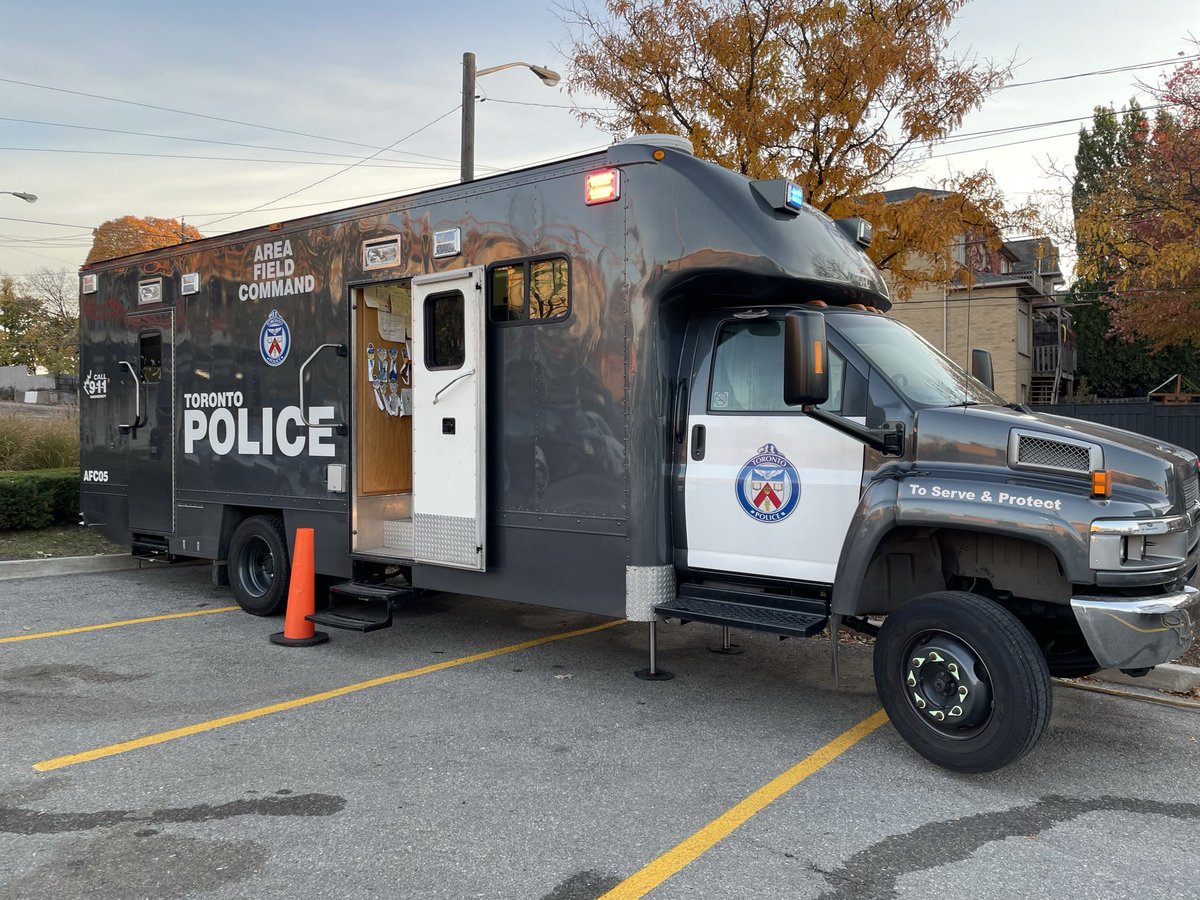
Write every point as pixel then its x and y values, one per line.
pixel 360 606
pixel 790 616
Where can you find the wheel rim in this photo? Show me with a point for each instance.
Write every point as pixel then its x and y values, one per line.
pixel 257 567
pixel 946 684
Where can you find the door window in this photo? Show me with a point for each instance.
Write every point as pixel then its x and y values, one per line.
pixel 747 371
pixel 150 351
pixel 445 331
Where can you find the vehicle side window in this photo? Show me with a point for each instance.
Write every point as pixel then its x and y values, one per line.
pixel 445 331
pixel 747 373
pixel 530 291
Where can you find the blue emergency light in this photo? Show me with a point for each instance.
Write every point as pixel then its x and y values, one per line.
pixel 781 194
pixel 794 196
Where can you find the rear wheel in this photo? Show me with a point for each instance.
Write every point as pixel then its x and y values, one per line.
pixel 962 680
pixel 259 566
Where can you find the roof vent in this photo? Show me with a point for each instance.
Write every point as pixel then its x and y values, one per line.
pixel 669 141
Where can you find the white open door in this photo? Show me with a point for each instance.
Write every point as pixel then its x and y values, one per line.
pixel 448 419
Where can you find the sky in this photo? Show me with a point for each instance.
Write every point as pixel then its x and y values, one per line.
pixel 208 111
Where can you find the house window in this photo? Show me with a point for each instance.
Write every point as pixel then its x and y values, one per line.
pixel 531 290
pixel 960 250
pixel 1023 329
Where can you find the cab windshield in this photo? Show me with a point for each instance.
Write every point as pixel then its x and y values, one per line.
pixel 919 372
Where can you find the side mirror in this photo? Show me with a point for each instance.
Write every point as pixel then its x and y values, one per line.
pixel 805 359
pixel 981 366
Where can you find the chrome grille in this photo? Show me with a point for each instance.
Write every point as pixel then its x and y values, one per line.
pixel 1191 490
pixel 1048 454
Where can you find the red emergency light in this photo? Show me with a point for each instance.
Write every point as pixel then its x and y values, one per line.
pixel 603 186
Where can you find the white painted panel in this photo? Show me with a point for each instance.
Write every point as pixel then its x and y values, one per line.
pixel 448 477
pixel 747 533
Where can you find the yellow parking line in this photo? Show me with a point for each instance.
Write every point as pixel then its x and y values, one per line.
pixel 182 615
pixel 690 849
pixel 163 736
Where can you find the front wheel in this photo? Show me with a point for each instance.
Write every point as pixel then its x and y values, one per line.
pixel 259 565
pixel 962 680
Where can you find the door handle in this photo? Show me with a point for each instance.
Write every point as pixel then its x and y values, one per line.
pixel 450 384
pixel 698 442
pixel 340 350
pixel 680 412
pixel 138 421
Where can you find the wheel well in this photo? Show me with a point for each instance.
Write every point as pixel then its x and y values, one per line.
pixel 232 517
pixel 909 562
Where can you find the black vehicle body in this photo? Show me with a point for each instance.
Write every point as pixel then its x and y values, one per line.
pixel 556 457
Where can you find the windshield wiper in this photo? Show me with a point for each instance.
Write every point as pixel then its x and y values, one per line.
pixel 962 404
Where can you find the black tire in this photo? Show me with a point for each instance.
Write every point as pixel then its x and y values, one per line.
pixel 259 565
pixel 983 702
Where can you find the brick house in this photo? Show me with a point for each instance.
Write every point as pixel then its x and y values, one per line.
pixel 1003 302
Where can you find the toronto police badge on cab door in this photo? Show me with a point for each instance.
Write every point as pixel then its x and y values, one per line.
pixel 274 340
pixel 768 486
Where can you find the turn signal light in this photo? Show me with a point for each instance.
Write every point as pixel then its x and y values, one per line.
pixel 602 187
pixel 1101 484
pixel 819 357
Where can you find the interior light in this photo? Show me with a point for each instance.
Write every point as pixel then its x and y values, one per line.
pixel 602 187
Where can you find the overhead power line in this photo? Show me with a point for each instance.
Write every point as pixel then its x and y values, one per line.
pixel 245 159
pixel 1173 61
pixel 196 140
pixel 360 162
pixel 184 112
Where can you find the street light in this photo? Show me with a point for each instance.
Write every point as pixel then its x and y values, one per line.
pixel 28 198
pixel 549 78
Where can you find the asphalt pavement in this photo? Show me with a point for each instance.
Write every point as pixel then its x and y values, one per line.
pixel 492 750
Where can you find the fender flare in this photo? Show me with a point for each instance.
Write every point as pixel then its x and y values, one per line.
pixel 880 512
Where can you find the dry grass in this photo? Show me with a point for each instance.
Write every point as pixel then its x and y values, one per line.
pixel 32 443
pixel 63 540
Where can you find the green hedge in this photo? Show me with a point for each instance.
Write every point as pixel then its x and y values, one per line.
pixel 39 498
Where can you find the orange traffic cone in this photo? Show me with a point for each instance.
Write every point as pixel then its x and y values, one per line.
pixel 298 631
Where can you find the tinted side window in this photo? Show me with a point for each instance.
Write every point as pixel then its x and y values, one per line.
pixel 445 334
pixel 532 290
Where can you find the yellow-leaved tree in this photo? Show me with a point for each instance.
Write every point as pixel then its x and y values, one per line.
pixel 130 234
pixel 843 97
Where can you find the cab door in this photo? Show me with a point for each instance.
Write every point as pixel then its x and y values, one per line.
pixel 767 490
pixel 449 522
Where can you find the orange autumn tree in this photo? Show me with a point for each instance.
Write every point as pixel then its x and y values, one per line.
pixel 842 97
pixel 129 234
pixel 1138 227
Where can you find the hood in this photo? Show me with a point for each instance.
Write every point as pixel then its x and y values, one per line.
pixel 985 435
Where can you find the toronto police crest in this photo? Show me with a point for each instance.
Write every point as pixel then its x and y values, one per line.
pixel 768 486
pixel 274 340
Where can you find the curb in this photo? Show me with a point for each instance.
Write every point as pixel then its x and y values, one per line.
pixel 1170 677
pixel 66 565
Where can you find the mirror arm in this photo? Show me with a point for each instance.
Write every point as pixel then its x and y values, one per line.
pixel 888 441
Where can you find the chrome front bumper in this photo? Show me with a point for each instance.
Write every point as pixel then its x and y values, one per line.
pixel 1138 633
